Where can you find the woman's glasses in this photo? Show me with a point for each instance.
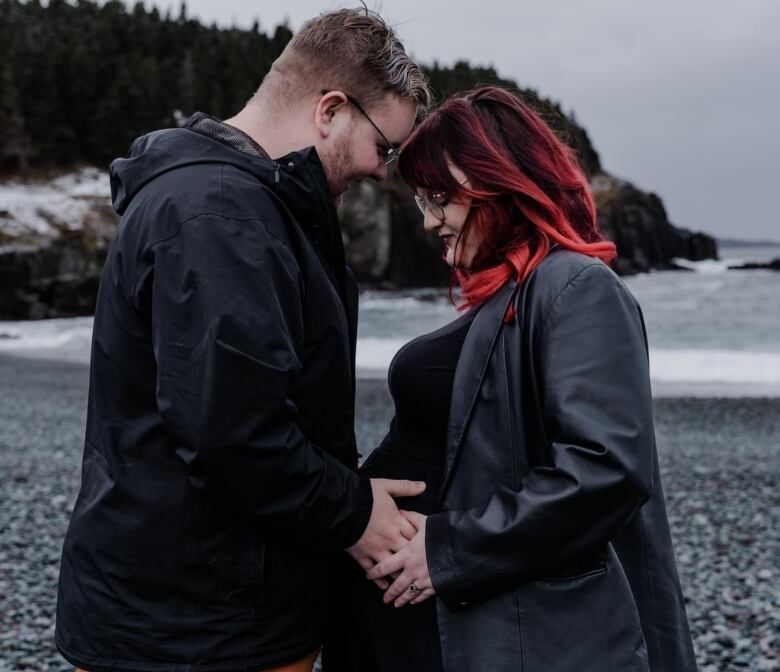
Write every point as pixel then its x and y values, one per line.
pixel 434 203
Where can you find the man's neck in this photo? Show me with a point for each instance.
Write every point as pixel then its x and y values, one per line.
pixel 276 136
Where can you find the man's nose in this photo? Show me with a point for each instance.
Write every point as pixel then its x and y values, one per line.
pixel 380 173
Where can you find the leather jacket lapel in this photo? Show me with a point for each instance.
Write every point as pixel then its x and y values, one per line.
pixel 470 370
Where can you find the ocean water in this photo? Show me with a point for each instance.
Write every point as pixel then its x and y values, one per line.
pixel 712 331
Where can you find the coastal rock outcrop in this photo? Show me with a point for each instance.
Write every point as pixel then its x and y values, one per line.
pixel 56 275
pixel 773 265
pixel 387 246
pixel 636 221
pixel 385 243
pixel 52 250
pixel 54 236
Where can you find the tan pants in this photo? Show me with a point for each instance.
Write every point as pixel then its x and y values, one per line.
pixel 303 665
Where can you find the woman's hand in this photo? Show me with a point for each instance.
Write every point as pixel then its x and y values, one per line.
pixel 410 567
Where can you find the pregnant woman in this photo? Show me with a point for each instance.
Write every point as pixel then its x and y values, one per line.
pixel 542 541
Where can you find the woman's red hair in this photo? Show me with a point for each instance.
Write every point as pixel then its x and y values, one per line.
pixel 527 187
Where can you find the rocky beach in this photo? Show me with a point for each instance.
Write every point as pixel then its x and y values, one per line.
pixel 682 182
pixel 720 461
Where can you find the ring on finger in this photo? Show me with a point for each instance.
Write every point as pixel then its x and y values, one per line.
pixel 412 588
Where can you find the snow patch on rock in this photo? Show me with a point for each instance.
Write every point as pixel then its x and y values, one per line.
pixel 45 208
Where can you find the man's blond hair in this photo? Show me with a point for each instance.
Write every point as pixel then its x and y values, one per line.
pixel 349 50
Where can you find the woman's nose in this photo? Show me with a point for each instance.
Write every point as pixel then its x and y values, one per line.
pixel 430 223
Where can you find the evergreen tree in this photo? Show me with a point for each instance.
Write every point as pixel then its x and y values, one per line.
pixel 15 145
pixel 80 80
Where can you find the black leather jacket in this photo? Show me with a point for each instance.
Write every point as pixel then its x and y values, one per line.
pixel 553 552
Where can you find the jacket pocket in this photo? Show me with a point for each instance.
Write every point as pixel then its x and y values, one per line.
pixel 587 622
pixel 232 577
pixel 579 571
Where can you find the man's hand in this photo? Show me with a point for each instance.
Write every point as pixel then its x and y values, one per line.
pixel 388 530
pixel 409 568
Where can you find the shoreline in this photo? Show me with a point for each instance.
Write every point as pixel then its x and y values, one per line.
pixel 661 389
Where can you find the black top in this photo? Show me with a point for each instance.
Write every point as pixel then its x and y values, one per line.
pixel 420 378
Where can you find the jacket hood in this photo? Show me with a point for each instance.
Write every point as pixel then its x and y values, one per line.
pixel 298 178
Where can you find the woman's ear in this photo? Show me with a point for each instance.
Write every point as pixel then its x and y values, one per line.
pixel 329 104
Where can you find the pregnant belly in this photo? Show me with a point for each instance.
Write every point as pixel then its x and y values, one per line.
pixel 385 462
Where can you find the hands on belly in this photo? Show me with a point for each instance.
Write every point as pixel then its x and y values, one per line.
pixel 408 567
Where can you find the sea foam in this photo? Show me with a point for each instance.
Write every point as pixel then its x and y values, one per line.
pixel 701 372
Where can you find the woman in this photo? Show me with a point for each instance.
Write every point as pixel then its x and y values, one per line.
pixel 542 536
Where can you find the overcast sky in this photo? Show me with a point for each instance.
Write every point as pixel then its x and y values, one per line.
pixel 680 97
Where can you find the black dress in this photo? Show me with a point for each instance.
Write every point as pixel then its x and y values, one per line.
pixel 420 378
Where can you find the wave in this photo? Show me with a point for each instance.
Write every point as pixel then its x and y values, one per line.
pixel 707 265
pixel 714 366
pixel 420 299
pixel 707 372
pixel 374 355
pixel 65 339
pixel 668 367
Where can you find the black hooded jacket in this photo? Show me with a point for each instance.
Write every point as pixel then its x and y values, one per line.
pixel 218 479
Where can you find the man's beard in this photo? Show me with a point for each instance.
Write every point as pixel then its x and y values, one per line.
pixel 336 163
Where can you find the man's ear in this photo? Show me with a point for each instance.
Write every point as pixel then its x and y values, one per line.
pixel 325 113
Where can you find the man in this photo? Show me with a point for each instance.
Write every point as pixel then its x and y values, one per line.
pixel 219 479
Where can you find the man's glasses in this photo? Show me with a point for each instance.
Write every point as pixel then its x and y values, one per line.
pixel 392 152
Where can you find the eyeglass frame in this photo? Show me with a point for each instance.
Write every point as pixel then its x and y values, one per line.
pixel 392 152
pixel 425 203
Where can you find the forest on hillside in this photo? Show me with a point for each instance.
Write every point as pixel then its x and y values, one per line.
pixel 80 80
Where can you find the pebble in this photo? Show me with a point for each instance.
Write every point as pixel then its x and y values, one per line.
pixel 719 463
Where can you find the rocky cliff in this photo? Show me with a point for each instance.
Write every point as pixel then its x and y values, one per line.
pixel 54 237
pixel 637 223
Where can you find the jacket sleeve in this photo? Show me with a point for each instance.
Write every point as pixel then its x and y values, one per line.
pixel 227 332
pixel 594 389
